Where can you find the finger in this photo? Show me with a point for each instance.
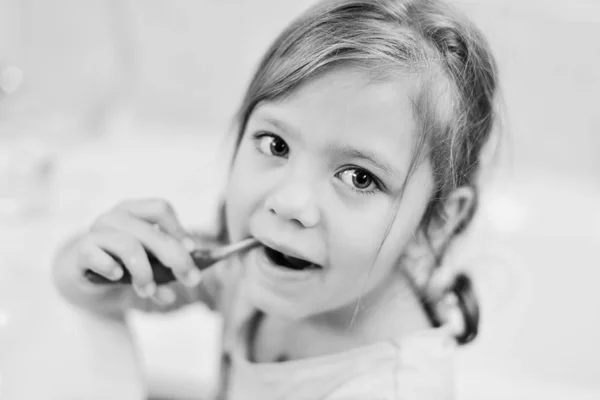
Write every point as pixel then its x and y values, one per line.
pixel 169 251
pixel 164 296
pixel 186 239
pixel 157 211
pixel 91 257
pixel 133 257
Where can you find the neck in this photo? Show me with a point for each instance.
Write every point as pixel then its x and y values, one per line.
pixel 389 310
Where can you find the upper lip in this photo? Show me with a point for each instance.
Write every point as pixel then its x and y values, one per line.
pixel 285 249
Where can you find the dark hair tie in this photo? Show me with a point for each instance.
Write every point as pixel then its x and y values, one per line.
pixel 469 308
pixel 467 303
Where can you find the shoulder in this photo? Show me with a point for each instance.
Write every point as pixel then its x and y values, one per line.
pixel 421 367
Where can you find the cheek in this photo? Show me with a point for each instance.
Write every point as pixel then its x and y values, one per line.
pixel 359 234
pixel 407 218
pixel 237 196
pixel 243 193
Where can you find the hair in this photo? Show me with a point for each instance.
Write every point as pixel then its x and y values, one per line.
pixel 427 39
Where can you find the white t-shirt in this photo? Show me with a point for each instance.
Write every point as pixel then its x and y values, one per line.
pixel 415 367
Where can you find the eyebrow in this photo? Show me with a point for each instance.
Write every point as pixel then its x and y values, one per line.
pixel 264 117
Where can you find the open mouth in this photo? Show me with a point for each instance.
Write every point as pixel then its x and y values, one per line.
pixel 286 261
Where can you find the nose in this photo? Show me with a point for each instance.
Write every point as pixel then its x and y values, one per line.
pixel 294 202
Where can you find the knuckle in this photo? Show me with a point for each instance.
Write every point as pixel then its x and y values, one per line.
pixel 125 205
pixel 170 259
pixel 104 220
pixel 85 251
pixel 163 207
pixel 86 241
pixel 128 245
pixel 179 263
pixel 177 256
pixel 171 241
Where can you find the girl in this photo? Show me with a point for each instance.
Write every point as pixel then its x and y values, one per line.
pixel 355 162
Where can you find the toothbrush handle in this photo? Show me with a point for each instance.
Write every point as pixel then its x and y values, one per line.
pixel 162 274
pixel 202 258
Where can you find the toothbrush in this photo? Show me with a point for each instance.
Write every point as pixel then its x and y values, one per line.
pixel 203 258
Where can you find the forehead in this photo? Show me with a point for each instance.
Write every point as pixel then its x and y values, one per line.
pixel 346 107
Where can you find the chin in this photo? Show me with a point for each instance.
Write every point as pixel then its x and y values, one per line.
pixel 278 306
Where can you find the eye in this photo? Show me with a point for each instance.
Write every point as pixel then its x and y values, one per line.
pixel 273 145
pixel 359 179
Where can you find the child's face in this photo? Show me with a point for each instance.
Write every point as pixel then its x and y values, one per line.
pixel 318 176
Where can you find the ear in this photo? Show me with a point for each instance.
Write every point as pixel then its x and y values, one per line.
pixel 425 251
pixel 456 210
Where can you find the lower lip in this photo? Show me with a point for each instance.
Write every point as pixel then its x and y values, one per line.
pixel 267 267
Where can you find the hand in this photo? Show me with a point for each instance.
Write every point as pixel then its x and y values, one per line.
pixel 126 232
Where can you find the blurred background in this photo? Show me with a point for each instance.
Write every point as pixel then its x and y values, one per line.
pixel 103 100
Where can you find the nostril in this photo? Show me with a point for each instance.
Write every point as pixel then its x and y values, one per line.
pixel 303 214
pixel 297 222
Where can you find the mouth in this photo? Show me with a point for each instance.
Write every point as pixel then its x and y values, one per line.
pixel 286 261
